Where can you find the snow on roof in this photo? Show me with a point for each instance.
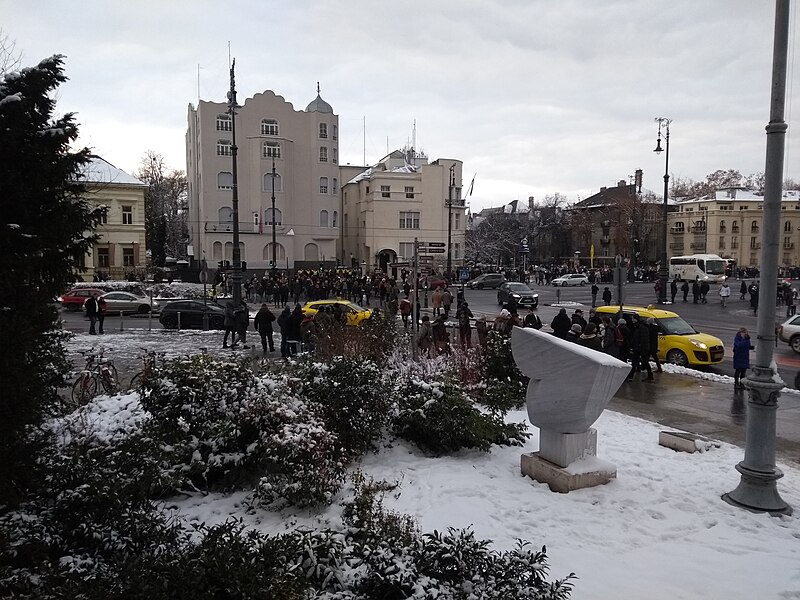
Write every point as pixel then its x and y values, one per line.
pixel 99 170
pixel 407 168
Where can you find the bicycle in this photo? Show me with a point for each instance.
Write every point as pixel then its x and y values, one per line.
pixel 97 370
pixel 150 359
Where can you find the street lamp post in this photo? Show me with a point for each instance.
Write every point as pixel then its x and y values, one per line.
pixel 274 243
pixel 663 268
pixel 236 275
pixel 450 221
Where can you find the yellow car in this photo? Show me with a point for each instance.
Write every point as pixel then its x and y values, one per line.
pixel 342 310
pixel 678 342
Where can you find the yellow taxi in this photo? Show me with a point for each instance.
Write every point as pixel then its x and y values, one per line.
pixel 343 311
pixel 678 342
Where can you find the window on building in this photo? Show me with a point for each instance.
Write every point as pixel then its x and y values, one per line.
pixel 457 224
pixel 273 217
pixel 323 185
pixel 406 250
pixel 345 220
pixel 127 215
pixel 410 191
pixel 335 189
pixel 323 218
pixel 787 243
pixel 271 149
pixel 224 122
pixel 743 207
pixel 734 243
pixel 753 242
pixel 722 243
pixel 127 257
pixel 269 127
pixel 679 227
pixel 735 227
pixel 787 226
pixel 225 215
pixel 268 182
pixel 323 131
pixel 102 258
pixel 367 190
pixel 323 154
pixel 224 180
pixel 754 227
pixel 457 250
pixel 335 132
pixel 335 156
pixel 280 253
pixel 335 218
pixel 223 147
pixel 722 226
pixel 104 217
pixel 386 191
pixel 409 220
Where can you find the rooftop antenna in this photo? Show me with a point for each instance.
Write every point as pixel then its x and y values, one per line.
pixel 318 88
pixel 365 141
pixel 414 143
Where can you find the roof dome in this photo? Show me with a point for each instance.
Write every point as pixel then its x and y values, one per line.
pixel 319 105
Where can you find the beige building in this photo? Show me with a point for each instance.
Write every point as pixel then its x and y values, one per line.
pixel 400 198
pixel 730 225
pixel 121 248
pixel 303 146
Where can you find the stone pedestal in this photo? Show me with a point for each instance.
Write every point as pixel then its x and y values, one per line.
pixel 587 472
pixel 563 449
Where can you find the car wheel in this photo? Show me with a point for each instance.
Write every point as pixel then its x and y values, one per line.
pixel 583 283
pixel 677 357
pixel 170 321
pixel 479 286
pixel 216 324
pixel 795 343
pixel 143 309
pixel 565 284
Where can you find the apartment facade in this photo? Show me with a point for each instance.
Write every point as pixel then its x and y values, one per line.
pixel 400 198
pixel 730 225
pixel 303 148
pixel 121 249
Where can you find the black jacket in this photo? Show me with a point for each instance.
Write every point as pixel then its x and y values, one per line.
pixel 263 320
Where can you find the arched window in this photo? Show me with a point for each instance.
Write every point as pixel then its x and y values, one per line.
pixel 280 252
pixel 754 227
pixel 216 251
pixel 228 250
pixel 311 252
pixel 335 218
pixel 323 154
pixel 323 185
pixel 268 217
pixel 323 218
pixel 323 131
pixel 269 127
pixel 722 227
pixel 225 215
pixel 223 147
pixel 679 227
pixel 735 227
pixel 270 149
pixel 224 122
pixel 268 182
pixel 224 180
pixel 335 189
pixel 787 226
pixel 335 156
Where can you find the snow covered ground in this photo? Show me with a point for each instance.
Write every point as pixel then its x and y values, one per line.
pixel 659 529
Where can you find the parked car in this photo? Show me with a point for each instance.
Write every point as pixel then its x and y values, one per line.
pixel 487 280
pixel 678 342
pixel 516 292
pixel 126 302
pixel 353 313
pixel 74 299
pixel 192 314
pixel 571 279
pixel 435 281
pixel 789 332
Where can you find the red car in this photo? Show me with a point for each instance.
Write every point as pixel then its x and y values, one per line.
pixel 74 299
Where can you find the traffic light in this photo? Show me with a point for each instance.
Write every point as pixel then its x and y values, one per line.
pixel 220 266
pixel 244 266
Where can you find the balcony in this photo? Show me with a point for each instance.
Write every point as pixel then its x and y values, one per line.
pixel 789 246
pixel 697 246
pixel 677 230
pixel 457 202
pixel 755 246
pixel 605 240
pixel 676 245
pixel 698 229
pixel 244 227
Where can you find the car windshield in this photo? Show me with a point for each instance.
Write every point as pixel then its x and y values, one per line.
pixel 715 267
pixel 675 326
pixel 517 287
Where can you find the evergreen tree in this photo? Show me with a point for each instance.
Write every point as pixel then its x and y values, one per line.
pixel 45 231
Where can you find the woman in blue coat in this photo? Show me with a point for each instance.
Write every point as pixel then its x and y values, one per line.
pixel 741 357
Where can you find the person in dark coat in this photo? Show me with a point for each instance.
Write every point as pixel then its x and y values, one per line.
pixel 654 331
pixel 575 332
pixel 92 308
pixel 743 290
pixel 263 324
pixel 242 317
pixel 284 325
pixel 607 296
pixel 229 324
pixel 532 320
pixel 695 291
pixel 561 324
pixel 685 290
pixel 577 318
pixel 595 289
pixel 295 334
pixel 754 298
pixel 102 306
pixel 590 339
pixel 741 357
pixel 640 350
pixel 623 333
pixel 673 289
pixel 704 288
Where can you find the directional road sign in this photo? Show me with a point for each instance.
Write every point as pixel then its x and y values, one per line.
pixel 399 264
pixel 434 244
pixel 424 258
pixel 431 250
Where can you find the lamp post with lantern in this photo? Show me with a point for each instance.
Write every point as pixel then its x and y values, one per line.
pixel 663 268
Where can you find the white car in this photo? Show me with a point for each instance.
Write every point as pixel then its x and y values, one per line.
pixel 571 279
pixel 789 332
pixel 125 302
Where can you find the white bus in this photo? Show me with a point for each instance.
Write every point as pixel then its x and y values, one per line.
pixel 708 267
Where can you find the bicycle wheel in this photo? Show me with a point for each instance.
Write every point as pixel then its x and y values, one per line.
pixel 84 389
pixel 136 381
pixel 109 378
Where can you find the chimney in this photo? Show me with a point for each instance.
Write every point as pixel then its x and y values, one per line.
pixel 531 203
pixel 621 183
pixel 638 181
pixel 602 189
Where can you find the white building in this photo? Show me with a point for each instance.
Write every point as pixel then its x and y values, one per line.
pixel 302 145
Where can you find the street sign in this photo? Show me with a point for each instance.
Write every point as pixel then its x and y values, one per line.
pixel 433 244
pixel 399 264
pixel 424 258
pixel 203 276
pixel 463 273
pixel 431 250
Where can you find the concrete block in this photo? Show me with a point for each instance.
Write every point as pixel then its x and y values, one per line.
pixel 583 473
pixel 685 442
pixel 563 449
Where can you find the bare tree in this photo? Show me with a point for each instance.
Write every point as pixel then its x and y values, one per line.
pixel 10 57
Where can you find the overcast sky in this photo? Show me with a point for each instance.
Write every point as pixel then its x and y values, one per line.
pixel 535 96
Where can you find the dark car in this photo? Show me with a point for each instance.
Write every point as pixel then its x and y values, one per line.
pixel 191 315
pixel 513 292
pixel 74 299
pixel 487 280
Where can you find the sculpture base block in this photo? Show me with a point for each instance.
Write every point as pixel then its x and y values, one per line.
pixel 583 473
pixel 563 449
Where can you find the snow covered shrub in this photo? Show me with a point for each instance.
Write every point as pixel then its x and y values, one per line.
pixel 365 512
pixel 440 419
pixel 503 384
pixel 373 339
pixel 353 395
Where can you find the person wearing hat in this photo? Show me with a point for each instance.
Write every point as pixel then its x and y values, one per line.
pixel 560 324
pixel 532 320
pixel 595 318
pixel 575 331
pixel 590 339
pixel 622 340
pixel 263 324
pixel 577 317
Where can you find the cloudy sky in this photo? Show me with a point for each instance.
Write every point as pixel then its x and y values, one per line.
pixel 535 96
